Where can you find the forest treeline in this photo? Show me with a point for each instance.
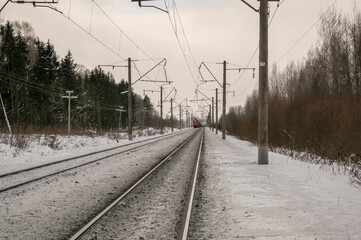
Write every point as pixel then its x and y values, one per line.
pixel 315 104
pixel 33 80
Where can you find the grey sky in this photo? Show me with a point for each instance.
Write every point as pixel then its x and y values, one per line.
pixel 216 31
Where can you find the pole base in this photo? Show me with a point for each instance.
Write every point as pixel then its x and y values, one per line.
pixel 262 155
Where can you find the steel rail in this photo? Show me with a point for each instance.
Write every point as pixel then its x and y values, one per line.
pixel 185 227
pixel 109 207
pixel 81 156
pixel 77 166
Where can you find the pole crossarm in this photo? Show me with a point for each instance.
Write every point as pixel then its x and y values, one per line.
pixel 240 69
pixel 249 5
pixel 180 104
pixel 228 92
pixel 203 80
pixel 69 97
pixel 200 100
pixel 113 66
pixel 149 6
pixel 152 91
pixel 203 94
pixel 35 4
pixel 140 78
pixel 156 81
pixel 174 89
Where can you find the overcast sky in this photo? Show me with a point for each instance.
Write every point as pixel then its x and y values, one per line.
pixel 216 30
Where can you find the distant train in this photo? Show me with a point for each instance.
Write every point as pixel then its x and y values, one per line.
pixel 196 124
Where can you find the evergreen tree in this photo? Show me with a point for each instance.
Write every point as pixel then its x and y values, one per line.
pixel 44 75
pixel 13 71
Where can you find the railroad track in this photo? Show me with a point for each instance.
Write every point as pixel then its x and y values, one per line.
pixel 23 177
pixel 154 176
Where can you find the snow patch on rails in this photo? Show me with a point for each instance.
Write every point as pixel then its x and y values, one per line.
pixel 22 177
pixel 149 209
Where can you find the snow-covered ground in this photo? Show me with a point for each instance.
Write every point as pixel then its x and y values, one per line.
pixel 44 149
pixel 56 207
pixel 236 198
pixel 287 199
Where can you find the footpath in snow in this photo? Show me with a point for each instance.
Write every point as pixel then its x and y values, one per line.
pixel 287 199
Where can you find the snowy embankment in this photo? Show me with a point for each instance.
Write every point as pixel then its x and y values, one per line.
pixel 239 199
pixel 39 149
pixel 286 199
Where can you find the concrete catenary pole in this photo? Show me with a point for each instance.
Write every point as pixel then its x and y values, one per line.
pixel 69 97
pixel 161 110
pixel 180 117
pixel 210 117
pixel 188 117
pixel 191 120
pixel 212 114
pixel 143 119
pixel 130 122
pixel 224 101
pixel 263 85
pixel 171 113
pixel 216 111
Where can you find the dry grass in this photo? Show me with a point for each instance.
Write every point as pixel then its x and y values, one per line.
pixel 327 130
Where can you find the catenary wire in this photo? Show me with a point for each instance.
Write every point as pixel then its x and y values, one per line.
pixel 305 34
pixel 180 45
pixel 185 36
pixel 126 35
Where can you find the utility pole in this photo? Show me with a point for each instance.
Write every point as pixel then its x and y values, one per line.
pixel 212 114
pixel 6 117
pixel 69 97
pixel 191 121
pixel 120 110
pixel 216 110
pixel 129 91
pixel 180 117
pixel 130 122
pixel 187 118
pixel 263 86
pixel 171 112
pixel 144 110
pixel 210 117
pixel 224 86
pixel 224 101
pixel 130 113
pixel 161 110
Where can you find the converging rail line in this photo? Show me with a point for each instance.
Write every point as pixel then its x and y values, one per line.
pixel 186 213
pixel 7 179
pixel 188 209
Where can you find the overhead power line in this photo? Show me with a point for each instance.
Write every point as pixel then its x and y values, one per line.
pixel 31 84
pixel 94 37
pixel 185 36
pixel 255 51
pixel 177 37
pixel 94 2
pixel 126 35
pixel 305 34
